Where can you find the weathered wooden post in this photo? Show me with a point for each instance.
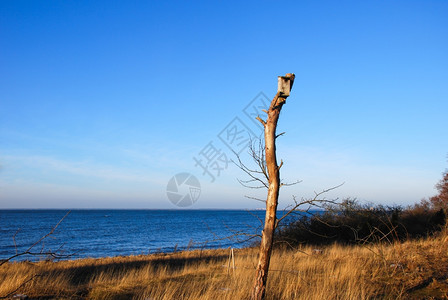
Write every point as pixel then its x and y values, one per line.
pixel 270 125
pixel 284 86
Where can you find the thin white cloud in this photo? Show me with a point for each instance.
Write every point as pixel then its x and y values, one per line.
pixel 80 168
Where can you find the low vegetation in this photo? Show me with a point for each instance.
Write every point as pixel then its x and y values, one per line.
pixel 354 223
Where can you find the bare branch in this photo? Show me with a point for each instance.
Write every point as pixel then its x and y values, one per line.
pixel 314 202
pixel 21 285
pixel 14 239
pixel 254 198
pixel 290 184
pixel 260 220
pixel 280 134
pixel 281 164
pixel 48 234
pixel 258 158
pixel 245 183
pixel 29 251
pixel 261 120
pixel 235 235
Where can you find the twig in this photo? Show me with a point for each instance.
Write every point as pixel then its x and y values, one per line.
pixel 41 252
pixel 20 286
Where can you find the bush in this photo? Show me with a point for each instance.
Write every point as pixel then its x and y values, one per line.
pixel 351 222
pixel 439 201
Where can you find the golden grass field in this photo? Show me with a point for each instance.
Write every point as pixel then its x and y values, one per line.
pixel 409 270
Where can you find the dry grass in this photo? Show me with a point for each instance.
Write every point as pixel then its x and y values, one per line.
pixel 410 270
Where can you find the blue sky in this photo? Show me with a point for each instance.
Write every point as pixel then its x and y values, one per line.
pixel 102 102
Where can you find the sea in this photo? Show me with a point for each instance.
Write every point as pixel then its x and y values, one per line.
pixel 104 233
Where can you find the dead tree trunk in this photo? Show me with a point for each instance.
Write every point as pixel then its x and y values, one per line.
pixel 270 125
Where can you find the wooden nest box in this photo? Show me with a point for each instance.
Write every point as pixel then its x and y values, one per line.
pixel 284 85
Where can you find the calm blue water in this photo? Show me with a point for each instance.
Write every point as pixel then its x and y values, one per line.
pixel 101 233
